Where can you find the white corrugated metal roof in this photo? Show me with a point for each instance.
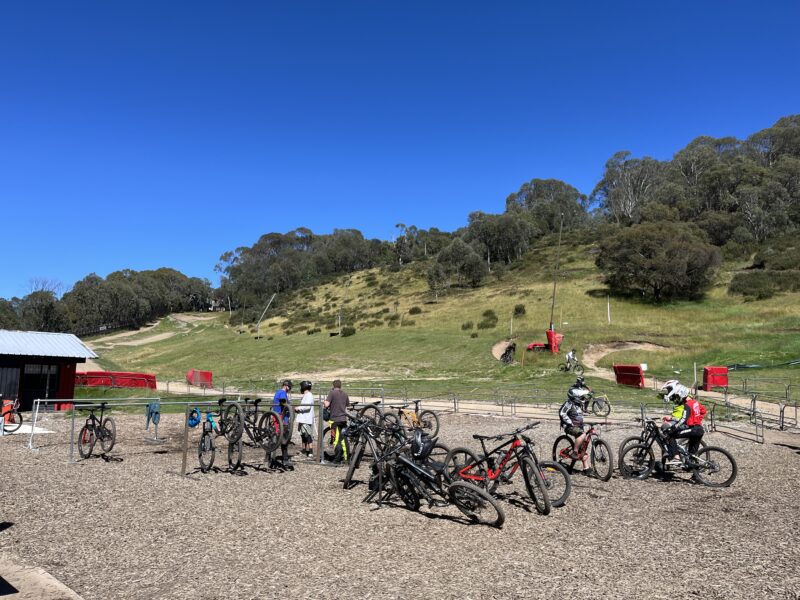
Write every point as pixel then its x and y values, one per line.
pixel 40 343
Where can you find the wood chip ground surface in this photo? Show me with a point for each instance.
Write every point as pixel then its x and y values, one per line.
pixel 131 527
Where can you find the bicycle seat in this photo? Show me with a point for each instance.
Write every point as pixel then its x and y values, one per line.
pixel 477 436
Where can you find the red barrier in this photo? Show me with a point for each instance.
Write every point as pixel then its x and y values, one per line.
pixel 554 340
pixel 629 375
pixel 116 379
pixel 715 377
pixel 200 378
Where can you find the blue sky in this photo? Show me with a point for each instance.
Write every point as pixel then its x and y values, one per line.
pixel 148 134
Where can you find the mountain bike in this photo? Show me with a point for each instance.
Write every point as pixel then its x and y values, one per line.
pixel 12 416
pixel 571 365
pixel 601 405
pixel 642 437
pixel 426 420
pixel 410 479
pixel 227 426
pixel 265 429
pixel 102 429
pixel 547 483
pixel 600 452
pixel 371 411
pixel 711 466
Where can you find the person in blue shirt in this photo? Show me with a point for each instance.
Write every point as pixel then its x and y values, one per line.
pixel 280 404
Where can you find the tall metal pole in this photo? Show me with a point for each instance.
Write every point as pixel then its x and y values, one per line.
pixel 258 325
pixel 555 272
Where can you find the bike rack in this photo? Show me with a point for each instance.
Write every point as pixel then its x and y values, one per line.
pixel 755 418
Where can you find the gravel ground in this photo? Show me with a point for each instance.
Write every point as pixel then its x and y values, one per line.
pixel 132 527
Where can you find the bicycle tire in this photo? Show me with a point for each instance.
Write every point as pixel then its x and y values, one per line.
pixel 712 461
pixel 270 431
pixel 86 440
pixel 428 422
pixel 476 504
pixel 355 462
pixel 108 434
pixel 563 367
pixel 602 459
pixel 628 441
pixel 637 462
pixel 557 481
pixel 372 412
pixel 562 448
pixel 601 408
pixel 392 430
pixel 407 491
pixel 328 449
pixel 535 486
pixel 14 421
pixel 458 459
pixel 578 369
pixel 232 423
pixel 438 457
pixel 206 451
pixel 288 428
pixel 235 455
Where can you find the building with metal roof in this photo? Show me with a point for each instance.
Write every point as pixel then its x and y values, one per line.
pixel 38 364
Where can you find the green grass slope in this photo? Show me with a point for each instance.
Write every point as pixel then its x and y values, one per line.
pixel 404 339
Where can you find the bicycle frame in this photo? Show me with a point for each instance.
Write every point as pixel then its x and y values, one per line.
pixel 493 474
pixel 13 407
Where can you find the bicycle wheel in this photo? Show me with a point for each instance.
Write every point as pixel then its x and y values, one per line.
pixel 328 439
pixel 232 423
pixel 562 448
pixel 235 455
pixel 372 412
pixel 355 462
pixel 108 434
pixel 270 431
pixel 14 421
pixel 637 462
pixel 563 367
pixel 86 441
pixel 206 451
pixel 557 482
pixel 602 459
pixel 628 441
pixel 535 486
pixel 601 407
pixel 716 467
pixel 392 431
pixel 288 428
pixel 407 492
pixel 438 457
pixel 428 422
pixel 476 504
pixel 456 464
pixel 578 369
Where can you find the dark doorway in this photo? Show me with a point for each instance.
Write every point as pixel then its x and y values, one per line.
pixel 38 381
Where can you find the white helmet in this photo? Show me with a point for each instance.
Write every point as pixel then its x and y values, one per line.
pixel 666 389
pixel 678 395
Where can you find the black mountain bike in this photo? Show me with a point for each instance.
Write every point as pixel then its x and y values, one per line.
pixel 102 429
pixel 711 466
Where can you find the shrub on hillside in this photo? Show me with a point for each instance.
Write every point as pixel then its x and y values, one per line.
pixel 313 331
pixel 762 284
pixel 348 331
pixel 474 334
pixel 407 323
pixel 658 261
pixel 414 310
pixel 487 324
pixel 519 310
pixel 467 326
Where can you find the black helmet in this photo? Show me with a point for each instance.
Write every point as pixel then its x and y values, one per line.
pixel 305 385
pixel 580 381
pixel 287 383
pixel 421 445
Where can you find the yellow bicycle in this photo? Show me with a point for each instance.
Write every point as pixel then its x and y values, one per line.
pixel 425 420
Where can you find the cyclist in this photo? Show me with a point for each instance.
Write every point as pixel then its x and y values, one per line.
pixel 280 404
pixel 572 359
pixel 305 417
pixel 686 422
pixel 571 416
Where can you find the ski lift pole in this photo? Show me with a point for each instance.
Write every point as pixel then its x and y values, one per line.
pixel 555 271
pixel 261 318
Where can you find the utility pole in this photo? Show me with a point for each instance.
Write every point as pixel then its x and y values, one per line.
pixel 555 271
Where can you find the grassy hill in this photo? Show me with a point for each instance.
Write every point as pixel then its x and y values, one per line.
pixel 405 339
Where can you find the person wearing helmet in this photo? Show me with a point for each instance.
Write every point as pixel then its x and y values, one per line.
pixel 305 417
pixel 337 402
pixel 571 416
pixel 686 422
pixel 280 404
pixel 572 359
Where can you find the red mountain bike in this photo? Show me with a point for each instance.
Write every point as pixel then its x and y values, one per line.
pixel 600 451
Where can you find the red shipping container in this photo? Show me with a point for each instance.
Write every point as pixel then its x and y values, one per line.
pixel 715 377
pixel 200 378
pixel 629 375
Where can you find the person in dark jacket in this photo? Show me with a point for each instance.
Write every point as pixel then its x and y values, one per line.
pixel 337 402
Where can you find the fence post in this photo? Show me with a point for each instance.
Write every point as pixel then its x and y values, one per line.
pixel 781 415
pixel 185 439
pixel 753 403
pixel 72 436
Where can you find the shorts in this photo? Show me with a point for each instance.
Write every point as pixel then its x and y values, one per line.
pixel 306 432
pixel 574 431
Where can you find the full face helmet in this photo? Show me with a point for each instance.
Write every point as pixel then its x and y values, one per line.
pixel 679 394
pixel 305 385
pixel 666 389
pixel 421 445
pixel 580 382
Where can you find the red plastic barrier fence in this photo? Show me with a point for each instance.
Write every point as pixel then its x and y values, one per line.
pixel 554 340
pixel 715 377
pixel 116 379
pixel 201 378
pixel 629 375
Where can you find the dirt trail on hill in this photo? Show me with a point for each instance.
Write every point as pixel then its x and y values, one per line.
pixel 594 352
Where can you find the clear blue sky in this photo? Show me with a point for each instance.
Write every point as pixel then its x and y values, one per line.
pixel 148 134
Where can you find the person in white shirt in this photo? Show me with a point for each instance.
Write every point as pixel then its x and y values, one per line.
pixel 305 417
